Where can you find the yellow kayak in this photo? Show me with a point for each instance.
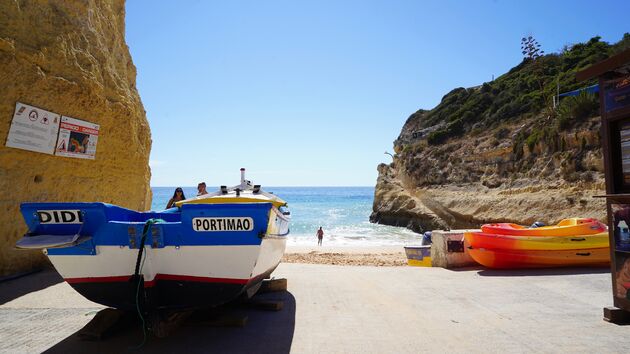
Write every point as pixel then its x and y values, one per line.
pixel 566 227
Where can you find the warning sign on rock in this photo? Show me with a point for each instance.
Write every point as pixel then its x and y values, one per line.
pixel 77 138
pixel 33 129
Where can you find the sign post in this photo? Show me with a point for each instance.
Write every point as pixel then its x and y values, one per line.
pixel 614 97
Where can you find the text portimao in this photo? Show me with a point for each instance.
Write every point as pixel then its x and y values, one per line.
pixel 223 224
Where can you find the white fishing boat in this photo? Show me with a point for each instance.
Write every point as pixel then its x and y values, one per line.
pixel 204 252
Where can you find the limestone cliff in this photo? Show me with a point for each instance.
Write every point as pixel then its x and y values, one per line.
pixel 468 182
pixel 69 57
pixel 501 151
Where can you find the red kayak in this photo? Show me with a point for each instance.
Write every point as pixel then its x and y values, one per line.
pixel 509 259
pixel 536 243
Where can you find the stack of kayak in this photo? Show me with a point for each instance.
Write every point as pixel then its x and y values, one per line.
pixel 572 242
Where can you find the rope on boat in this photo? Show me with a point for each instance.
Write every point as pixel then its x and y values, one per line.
pixel 145 231
pixel 139 265
pixel 144 327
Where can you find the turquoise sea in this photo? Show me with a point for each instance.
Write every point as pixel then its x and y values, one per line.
pixel 343 213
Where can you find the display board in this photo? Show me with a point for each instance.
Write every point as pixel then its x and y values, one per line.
pixel 624 140
pixel 621 236
pixel 617 93
pixel 613 75
pixel 33 129
pixel 77 138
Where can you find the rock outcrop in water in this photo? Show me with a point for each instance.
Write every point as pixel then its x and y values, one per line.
pixel 499 152
pixel 69 57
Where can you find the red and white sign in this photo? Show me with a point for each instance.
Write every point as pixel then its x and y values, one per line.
pixel 77 138
pixel 33 129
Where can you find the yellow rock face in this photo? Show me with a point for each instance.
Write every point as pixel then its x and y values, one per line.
pixel 69 58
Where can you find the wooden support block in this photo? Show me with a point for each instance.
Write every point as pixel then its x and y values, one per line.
pixel 231 320
pixel 162 325
pixel 265 305
pixel 616 315
pixel 273 285
pixel 101 324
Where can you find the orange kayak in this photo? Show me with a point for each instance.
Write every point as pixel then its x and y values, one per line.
pixel 541 243
pixel 566 227
pixel 509 259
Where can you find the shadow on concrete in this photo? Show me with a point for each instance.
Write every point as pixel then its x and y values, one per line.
pixel 21 285
pixel 542 271
pixel 473 268
pixel 264 332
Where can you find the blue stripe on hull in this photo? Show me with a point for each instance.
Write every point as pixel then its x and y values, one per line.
pixel 110 225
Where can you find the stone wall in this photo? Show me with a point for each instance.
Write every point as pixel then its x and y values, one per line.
pixel 69 57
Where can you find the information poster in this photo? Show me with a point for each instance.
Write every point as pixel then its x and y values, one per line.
pixel 621 225
pixel 33 129
pixel 617 93
pixel 622 276
pixel 621 231
pixel 624 137
pixel 77 138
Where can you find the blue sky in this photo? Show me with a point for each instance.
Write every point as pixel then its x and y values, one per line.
pixel 311 93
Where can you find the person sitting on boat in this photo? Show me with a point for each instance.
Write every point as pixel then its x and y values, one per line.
pixel 320 236
pixel 177 196
pixel 201 189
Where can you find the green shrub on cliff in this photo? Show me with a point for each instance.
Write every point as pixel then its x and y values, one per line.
pixel 544 134
pixel 576 109
pixel 437 137
pixel 526 89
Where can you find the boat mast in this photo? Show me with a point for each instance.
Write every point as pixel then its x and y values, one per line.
pixel 245 184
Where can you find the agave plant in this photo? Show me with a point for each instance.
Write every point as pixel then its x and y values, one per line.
pixel 576 108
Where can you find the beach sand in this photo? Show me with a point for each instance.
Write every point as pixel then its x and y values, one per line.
pixel 382 256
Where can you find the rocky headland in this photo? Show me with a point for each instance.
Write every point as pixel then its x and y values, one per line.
pixel 501 152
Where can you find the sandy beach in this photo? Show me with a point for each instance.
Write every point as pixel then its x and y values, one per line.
pixel 380 256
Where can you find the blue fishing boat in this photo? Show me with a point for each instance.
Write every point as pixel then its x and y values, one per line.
pixel 204 252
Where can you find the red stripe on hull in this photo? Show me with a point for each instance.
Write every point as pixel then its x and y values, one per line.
pixel 98 279
pixel 200 279
pixel 151 283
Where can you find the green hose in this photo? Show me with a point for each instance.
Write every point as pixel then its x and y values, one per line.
pixel 139 265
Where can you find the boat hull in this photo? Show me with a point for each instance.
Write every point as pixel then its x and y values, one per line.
pixel 183 265
pixel 511 259
pixel 164 295
pixel 177 278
